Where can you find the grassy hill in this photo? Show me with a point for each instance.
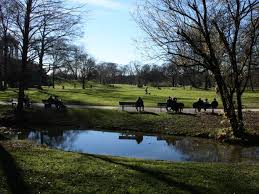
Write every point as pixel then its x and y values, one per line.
pixel 106 95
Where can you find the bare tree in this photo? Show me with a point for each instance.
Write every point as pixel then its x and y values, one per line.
pixel 87 66
pixel 6 17
pixel 58 57
pixel 23 28
pixel 137 68
pixel 56 21
pixel 73 60
pixel 219 35
pixel 101 69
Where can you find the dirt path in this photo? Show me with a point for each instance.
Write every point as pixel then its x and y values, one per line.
pixel 147 109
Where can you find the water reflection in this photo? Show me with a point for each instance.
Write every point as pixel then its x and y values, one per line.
pixel 138 136
pixel 139 145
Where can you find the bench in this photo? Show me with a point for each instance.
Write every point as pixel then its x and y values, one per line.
pixel 13 102
pixel 177 107
pixel 48 104
pixel 162 105
pixel 202 105
pixel 127 104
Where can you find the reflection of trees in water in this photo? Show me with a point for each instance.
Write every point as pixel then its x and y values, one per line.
pixel 64 140
pixel 54 138
pixel 206 150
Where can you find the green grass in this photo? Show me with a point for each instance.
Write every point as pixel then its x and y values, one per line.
pixel 44 170
pixel 109 96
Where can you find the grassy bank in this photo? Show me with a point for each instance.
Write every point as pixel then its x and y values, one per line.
pixel 42 170
pixel 196 125
pixel 110 96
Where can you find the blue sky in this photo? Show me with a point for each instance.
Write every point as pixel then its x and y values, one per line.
pixel 110 30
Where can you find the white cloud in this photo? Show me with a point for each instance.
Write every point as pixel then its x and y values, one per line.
pixel 112 4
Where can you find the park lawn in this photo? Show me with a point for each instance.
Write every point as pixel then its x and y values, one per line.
pixel 40 169
pixel 105 95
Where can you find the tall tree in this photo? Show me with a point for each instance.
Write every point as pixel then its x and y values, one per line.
pixel 219 35
pixel 23 11
pixel 58 57
pixel 87 66
pixel 56 22
pixel 6 17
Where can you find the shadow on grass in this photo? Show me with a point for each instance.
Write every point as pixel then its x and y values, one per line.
pixel 182 113
pixel 251 139
pixel 3 137
pixel 100 92
pixel 12 173
pixel 159 176
pixel 214 114
pixel 143 113
pixel 45 92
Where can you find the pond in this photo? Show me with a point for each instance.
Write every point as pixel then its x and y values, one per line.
pixel 139 145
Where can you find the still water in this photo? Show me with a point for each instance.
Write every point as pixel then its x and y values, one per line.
pixel 139 145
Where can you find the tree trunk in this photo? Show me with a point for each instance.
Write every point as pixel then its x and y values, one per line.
pixel 40 71
pixel 173 81
pixel 241 129
pixel 229 108
pixel 207 81
pixel 5 62
pixel 53 78
pixel 41 55
pixel 100 79
pixel 251 83
pixel 83 82
pixel 25 49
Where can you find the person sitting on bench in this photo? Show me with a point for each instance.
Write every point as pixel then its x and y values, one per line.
pixel 206 105
pixel 169 103
pixel 200 104
pixel 174 101
pixel 26 101
pixel 214 104
pixel 48 103
pixel 58 103
pixel 50 99
pixel 139 104
pixel 175 105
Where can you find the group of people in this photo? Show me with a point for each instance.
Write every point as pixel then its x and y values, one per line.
pixel 171 103
pixel 56 101
pixel 200 104
pixel 139 104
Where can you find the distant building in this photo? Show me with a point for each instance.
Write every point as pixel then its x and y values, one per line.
pixel 12 69
pixel 12 47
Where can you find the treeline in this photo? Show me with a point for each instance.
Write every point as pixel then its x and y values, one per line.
pixel 78 65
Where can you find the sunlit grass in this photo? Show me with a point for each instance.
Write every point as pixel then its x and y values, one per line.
pixel 110 96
